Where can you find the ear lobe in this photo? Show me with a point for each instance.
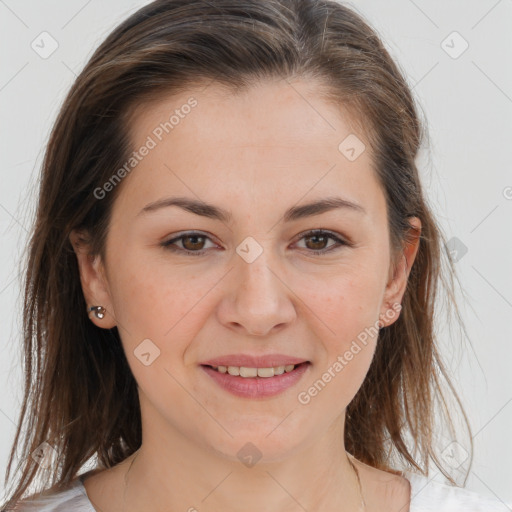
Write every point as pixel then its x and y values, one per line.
pixel 92 278
pixel 397 284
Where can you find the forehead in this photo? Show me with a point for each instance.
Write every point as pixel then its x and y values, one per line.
pixel 293 110
pixel 274 136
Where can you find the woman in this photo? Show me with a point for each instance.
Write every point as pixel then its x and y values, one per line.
pixel 232 276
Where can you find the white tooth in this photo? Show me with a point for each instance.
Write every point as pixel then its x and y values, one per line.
pixel 244 371
pixel 265 372
pixel 278 370
pixel 248 372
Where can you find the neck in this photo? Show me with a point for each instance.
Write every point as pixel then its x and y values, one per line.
pixel 171 472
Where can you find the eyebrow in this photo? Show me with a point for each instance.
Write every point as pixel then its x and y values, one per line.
pixel 217 213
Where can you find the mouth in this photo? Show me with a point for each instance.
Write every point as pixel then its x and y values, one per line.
pixel 256 383
pixel 251 373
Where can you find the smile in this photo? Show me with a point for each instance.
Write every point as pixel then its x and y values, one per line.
pixel 244 371
pixel 256 382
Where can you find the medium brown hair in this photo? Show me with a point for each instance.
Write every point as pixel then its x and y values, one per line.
pixel 80 396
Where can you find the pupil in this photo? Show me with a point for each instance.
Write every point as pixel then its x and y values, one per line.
pixel 193 237
pixel 318 237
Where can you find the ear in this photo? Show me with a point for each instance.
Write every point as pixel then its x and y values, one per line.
pixel 397 281
pixel 92 277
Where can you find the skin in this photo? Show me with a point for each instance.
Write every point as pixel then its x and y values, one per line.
pixel 256 154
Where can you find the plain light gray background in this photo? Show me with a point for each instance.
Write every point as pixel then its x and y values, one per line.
pixel 466 97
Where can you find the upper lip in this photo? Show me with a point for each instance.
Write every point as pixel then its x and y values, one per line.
pixel 265 361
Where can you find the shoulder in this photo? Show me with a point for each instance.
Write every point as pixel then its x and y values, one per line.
pixel 429 495
pixel 72 498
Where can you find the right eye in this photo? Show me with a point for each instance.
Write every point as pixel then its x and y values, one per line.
pixel 190 242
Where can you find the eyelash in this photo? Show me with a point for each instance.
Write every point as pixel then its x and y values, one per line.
pixel 339 242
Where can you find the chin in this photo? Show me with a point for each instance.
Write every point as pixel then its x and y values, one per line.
pixel 252 447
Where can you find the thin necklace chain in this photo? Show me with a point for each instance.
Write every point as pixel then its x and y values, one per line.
pixel 125 480
pixel 363 504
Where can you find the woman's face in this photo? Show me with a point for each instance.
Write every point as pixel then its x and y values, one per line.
pixel 252 284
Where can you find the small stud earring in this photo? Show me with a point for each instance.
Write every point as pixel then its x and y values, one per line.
pixel 99 311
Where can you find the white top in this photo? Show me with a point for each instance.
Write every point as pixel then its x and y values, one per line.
pixel 426 496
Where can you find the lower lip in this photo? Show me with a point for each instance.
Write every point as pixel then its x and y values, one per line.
pixel 257 387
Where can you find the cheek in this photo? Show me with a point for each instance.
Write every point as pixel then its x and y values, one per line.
pixel 150 299
pixel 347 304
pixel 348 310
pixel 153 311
pixel 163 304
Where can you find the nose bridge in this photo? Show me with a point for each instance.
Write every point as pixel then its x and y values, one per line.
pixel 257 278
pixel 260 299
pixel 257 283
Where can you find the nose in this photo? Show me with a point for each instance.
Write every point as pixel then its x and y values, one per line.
pixel 258 300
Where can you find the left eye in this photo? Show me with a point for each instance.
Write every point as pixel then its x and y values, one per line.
pixel 320 237
pixel 192 243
